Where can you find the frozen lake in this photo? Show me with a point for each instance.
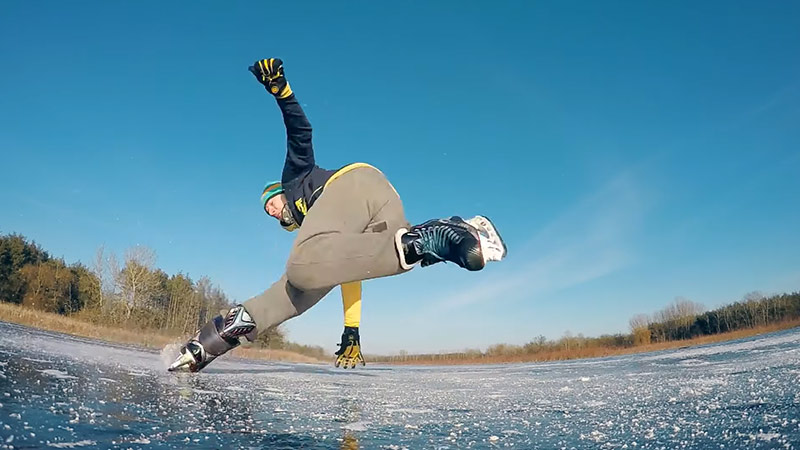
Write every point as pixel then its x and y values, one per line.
pixel 58 391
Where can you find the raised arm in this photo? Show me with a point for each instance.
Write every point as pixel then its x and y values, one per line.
pixel 299 151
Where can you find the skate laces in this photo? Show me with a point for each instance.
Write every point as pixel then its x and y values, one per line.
pixel 435 242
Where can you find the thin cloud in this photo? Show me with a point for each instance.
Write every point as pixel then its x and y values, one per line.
pixel 587 242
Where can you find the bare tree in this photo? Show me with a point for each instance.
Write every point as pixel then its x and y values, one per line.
pixel 639 321
pixel 99 271
pixel 136 281
pixel 640 324
pixel 753 304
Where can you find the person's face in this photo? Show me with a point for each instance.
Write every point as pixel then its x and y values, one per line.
pixel 275 205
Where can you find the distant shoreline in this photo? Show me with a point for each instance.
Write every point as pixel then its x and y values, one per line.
pixel 588 353
pixel 55 322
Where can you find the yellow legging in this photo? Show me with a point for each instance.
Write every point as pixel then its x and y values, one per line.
pixel 351 302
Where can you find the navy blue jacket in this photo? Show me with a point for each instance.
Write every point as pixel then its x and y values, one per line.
pixel 302 180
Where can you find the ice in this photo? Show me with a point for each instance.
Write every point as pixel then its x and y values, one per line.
pixel 740 394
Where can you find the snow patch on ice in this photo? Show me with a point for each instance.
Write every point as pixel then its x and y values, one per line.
pixel 36 360
pixel 236 389
pixel 410 410
pixel 594 403
pixel 693 362
pixel 765 436
pixel 71 444
pixel 709 382
pixel 595 436
pixel 202 391
pixel 511 432
pixel 356 426
pixel 738 347
pixel 58 374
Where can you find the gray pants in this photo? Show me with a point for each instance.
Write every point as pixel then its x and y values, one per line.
pixel 348 235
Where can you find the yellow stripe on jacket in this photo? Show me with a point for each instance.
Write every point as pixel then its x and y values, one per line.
pixel 346 169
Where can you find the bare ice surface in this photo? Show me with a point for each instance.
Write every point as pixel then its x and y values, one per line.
pixel 58 391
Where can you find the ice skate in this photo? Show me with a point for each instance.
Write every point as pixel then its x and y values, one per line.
pixel 470 244
pixel 215 338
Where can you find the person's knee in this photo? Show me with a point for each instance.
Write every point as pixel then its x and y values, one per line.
pixel 303 277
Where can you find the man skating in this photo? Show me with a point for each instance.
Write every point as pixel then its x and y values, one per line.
pixel 351 227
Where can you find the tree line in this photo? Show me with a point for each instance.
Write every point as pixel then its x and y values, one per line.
pixel 132 293
pixel 128 292
pixel 682 319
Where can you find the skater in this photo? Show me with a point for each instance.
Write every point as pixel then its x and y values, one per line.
pixel 350 227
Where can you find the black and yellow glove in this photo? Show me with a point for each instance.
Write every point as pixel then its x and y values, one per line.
pixel 269 72
pixel 349 353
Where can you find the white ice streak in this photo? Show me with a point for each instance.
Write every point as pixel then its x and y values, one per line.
pixel 356 426
pixel 730 347
pixel 58 374
pixel 82 443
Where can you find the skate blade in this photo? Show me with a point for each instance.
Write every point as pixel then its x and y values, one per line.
pixel 492 245
pixel 182 362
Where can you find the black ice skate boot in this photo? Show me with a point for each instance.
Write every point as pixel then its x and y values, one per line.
pixel 471 244
pixel 216 337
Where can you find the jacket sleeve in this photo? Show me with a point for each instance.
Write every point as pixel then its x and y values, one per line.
pixel 351 303
pixel 299 151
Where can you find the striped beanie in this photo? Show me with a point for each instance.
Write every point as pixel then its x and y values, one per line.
pixel 270 190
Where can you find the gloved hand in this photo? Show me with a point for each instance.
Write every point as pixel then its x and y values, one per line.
pixel 349 353
pixel 269 72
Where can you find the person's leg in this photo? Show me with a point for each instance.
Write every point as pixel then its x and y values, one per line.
pixel 280 302
pixel 357 230
pixel 349 233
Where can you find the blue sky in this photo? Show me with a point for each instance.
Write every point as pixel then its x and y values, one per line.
pixel 629 152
